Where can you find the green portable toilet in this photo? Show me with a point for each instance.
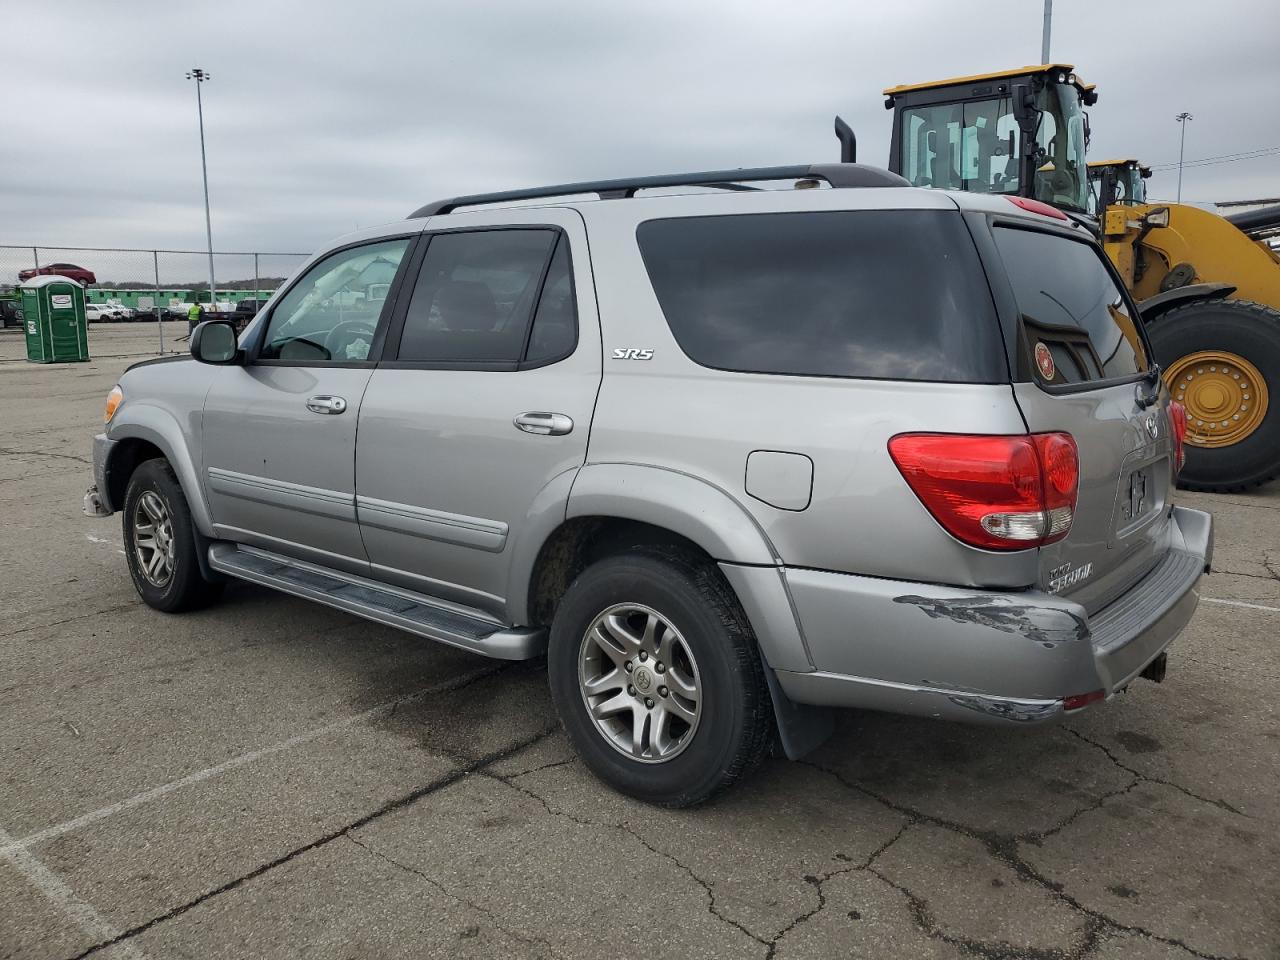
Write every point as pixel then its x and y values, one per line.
pixel 53 314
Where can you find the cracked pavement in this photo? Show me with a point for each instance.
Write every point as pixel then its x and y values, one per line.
pixel 272 778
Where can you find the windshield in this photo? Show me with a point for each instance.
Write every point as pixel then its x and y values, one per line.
pixel 1135 188
pixel 1062 178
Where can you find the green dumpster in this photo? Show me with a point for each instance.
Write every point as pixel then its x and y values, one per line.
pixel 53 315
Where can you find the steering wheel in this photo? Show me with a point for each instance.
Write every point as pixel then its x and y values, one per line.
pixel 345 335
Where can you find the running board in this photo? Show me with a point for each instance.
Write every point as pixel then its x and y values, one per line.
pixel 403 609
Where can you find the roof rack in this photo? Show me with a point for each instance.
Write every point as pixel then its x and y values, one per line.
pixel 836 174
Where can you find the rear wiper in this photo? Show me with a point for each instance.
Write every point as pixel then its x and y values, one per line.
pixel 1149 386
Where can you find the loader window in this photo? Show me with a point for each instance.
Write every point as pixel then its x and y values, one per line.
pixel 962 146
pixel 1070 303
pixel 1062 177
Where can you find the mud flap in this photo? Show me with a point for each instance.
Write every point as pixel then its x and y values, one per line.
pixel 801 728
pixel 203 543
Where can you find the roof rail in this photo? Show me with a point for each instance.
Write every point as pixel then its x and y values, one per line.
pixel 836 174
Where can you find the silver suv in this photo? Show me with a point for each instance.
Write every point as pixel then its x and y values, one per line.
pixel 731 453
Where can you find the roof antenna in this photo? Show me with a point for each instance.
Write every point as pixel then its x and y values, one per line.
pixel 848 142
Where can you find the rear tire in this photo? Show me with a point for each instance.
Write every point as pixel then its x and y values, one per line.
pixel 710 719
pixel 1251 331
pixel 160 543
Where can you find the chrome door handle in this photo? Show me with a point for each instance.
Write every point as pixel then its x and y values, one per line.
pixel 327 405
pixel 544 424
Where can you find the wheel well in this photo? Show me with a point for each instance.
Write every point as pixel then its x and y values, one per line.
pixel 125 458
pixel 580 542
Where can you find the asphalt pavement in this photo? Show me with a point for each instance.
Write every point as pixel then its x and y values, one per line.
pixel 271 778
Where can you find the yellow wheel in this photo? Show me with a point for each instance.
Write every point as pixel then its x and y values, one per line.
pixel 1222 360
pixel 1225 396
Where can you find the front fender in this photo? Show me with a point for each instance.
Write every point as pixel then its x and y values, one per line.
pixel 1152 307
pixel 159 427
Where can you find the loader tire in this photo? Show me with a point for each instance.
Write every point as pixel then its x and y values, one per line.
pixel 1221 360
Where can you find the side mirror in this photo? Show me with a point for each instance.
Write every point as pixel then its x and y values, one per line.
pixel 214 341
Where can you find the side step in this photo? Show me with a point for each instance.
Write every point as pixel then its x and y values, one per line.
pixel 403 609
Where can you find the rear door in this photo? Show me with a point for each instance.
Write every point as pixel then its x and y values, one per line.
pixel 1082 366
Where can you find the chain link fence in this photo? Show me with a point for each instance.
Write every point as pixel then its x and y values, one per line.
pixel 152 286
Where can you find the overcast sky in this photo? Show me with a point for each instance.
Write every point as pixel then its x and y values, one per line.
pixel 323 115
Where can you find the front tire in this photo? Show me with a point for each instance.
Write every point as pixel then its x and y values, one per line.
pixel 657 677
pixel 1233 407
pixel 160 543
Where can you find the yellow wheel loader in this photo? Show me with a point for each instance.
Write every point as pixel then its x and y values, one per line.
pixel 1208 287
pixel 1217 284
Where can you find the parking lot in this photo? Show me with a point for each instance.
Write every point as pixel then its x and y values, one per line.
pixel 273 778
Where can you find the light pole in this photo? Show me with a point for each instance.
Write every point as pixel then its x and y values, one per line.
pixel 200 76
pixel 1044 36
pixel 1182 118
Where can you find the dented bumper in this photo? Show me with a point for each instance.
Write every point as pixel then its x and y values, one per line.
pixel 991 656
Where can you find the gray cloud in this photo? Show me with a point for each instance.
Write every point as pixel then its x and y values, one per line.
pixel 324 115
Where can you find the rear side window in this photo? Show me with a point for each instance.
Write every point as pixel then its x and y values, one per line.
pixel 1072 308
pixel 881 294
pixel 555 324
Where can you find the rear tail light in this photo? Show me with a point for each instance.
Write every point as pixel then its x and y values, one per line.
pixel 995 492
pixel 1178 428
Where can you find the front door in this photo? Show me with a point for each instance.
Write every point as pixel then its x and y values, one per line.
pixel 477 418
pixel 280 431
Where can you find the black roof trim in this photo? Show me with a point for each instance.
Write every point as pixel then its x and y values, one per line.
pixel 836 174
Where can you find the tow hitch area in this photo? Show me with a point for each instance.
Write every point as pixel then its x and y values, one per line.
pixel 1156 668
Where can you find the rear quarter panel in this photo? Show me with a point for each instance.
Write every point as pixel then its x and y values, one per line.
pixel 668 411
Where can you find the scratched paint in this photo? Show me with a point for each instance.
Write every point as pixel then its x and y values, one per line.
pixel 1045 625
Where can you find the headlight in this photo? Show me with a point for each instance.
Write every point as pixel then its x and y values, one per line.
pixel 114 399
pixel 1159 217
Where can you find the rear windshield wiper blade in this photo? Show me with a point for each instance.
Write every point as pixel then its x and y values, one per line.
pixel 1151 382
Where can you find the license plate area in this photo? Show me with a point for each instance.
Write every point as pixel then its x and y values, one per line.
pixel 1141 497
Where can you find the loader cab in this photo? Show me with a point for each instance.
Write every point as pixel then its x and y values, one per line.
pixel 1117 181
pixel 1020 132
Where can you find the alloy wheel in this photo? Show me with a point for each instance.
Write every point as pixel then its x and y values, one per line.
pixel 153 543
pixel 640 683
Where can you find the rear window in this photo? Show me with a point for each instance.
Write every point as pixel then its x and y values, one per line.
pixel 1071 307
pixel 879 294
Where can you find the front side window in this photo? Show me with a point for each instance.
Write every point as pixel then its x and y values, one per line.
pixel 1071 305
pixel 475 295
pixel 332 313
pixel 884 294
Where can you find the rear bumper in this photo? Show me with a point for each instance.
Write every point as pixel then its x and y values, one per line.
pixel 998 657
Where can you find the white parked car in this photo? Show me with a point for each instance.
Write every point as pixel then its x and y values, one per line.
pixel 98 313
